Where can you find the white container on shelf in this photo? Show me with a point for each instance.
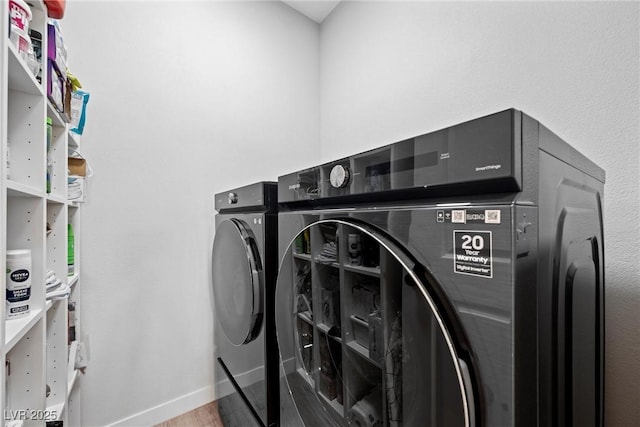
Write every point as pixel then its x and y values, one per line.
pixel 18 292
pixel 19 17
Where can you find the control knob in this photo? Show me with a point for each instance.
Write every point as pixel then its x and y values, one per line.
pixel 339 176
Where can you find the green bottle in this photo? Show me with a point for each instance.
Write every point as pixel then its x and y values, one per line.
pixel 70 251
pixel 49 162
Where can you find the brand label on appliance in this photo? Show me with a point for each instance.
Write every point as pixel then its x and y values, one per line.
pixel 488 168
pixel 464 216
pixel 473 253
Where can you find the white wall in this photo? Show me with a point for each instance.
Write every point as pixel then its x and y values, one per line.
pixel 193 98
pixel 391 70
pixel 187 99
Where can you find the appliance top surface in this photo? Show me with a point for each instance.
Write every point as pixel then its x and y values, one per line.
pixel 257 197
pixel 494 154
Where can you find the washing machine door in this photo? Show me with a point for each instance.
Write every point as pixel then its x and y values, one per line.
pixel 365 338
pixel 237 281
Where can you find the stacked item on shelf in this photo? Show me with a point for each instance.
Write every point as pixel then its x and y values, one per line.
pixel 77 104
pixel 55 288
pixel 71 251
pixel 19 18
pixel 79 171
pixel 57 67
pixel 34 59
pixel 18 286
pixel 78 166
pixel 329 252
pixel 55 8
pixel 75 188
pixel 49 157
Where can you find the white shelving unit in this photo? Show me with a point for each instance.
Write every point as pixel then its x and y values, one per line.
pixel 38 350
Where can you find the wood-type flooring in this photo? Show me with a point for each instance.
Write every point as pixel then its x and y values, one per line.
pixel 204 416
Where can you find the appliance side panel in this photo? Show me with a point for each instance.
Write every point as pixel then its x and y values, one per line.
pixel 530 160
pixel 570 294
pixel 525 369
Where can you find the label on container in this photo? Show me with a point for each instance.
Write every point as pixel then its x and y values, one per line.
pixel 18 295
pixel 18 286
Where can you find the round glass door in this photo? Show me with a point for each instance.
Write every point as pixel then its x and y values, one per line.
pixel 362 341
pixel 237 281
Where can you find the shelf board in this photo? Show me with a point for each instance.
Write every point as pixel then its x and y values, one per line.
pixel 304 315
pixel 57 409
pixel 56 198
pixel 20 77
pixel 56 118
pixel 370 271
pixel 306 257
pixel 359 320
pixel 327 264
pixel 333 404
pixel 74 141
pixel 362 351
pixel 15 329
pixel 72 380
pixel 72 372
pixel 72 280
pixel 50 302
pixel 17 189
pixel 324 328
pixel 305 376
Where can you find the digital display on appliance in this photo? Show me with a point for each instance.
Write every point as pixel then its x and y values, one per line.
pixel 416 162
pixel 377 177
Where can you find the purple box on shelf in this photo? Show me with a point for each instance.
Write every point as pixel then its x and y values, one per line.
pixel 55 86
pixel 56 50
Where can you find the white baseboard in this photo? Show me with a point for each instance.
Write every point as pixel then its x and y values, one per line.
pixel 188 402
pixel 170 409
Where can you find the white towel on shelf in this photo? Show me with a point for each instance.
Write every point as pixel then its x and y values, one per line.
pixel 55 289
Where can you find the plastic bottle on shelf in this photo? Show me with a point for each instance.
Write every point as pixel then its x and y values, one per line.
pixel 49 162
pixel 18 270
pixel 70 251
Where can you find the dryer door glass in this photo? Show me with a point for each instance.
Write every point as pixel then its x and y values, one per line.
pixel 237 281
pixel 361 338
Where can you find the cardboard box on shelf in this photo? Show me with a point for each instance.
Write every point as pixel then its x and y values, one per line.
pixel 77 166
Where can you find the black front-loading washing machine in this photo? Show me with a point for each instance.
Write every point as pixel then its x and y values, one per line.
pixel 451 279
pixel 244 268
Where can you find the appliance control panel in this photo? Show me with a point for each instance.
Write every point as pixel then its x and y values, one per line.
pixel 255 197
pixel 339 176
pixel 462 158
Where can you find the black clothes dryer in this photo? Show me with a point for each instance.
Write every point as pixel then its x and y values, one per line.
pixel 244 268
pixel 451 279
